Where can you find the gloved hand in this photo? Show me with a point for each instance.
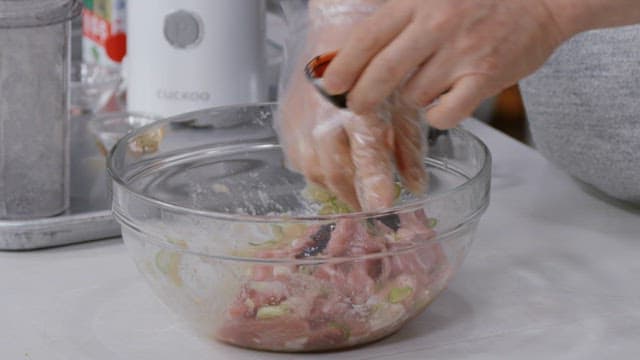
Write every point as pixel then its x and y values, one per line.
pixel 354 156
pixel 457 51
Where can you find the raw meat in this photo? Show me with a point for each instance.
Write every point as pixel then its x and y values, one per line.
pixel 370 277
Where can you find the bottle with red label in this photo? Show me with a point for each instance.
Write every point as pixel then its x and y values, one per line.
pixel 104 24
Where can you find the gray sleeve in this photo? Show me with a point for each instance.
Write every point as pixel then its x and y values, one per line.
pixel 583 108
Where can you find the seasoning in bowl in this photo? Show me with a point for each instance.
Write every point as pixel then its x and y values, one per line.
pixel 108 128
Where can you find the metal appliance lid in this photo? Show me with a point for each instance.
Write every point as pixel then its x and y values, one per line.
pixel 35 13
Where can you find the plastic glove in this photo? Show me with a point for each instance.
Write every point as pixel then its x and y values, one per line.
pixel 354 156
pixel 459 51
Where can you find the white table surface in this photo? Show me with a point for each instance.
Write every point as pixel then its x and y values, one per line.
pixel 554 274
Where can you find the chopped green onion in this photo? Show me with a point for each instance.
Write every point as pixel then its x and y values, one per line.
pixel 278 232
pixel 271 312
pixel 330 203
pixel 318 194
pixel 397 295
pixel 326 209
pixel 346 332
pixel 398 189
pixel 264 244
pixel 341 207
pixel 168 262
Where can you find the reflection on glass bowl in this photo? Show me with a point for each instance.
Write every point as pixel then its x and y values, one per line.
pixel 108 128
pixel 91 86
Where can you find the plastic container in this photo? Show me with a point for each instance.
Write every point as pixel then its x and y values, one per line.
pixel 233 242
pixel 104 36
pixel 34 116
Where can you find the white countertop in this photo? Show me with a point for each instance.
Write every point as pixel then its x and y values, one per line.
pixel 554 273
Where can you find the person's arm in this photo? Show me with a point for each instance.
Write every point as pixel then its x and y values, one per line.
pixel 575 16
pixel 459 51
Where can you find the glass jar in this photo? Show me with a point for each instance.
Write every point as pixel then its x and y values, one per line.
pixel 34 116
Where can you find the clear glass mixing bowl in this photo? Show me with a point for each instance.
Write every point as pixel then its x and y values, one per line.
pixel 231 240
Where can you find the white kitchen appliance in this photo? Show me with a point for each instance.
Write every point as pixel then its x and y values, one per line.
pixel 185 55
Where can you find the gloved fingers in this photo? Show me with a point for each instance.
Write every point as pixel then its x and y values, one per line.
pixel 294 125
pixel 390 68
pixel 410 146
pixel 308 159
pixel 363 44
pixel 430 81
pixel 334 160
pixel 302 156
pixel 371 140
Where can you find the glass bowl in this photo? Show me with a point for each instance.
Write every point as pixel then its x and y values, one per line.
pixel 91 86
pixel 231 240
pixel 110 127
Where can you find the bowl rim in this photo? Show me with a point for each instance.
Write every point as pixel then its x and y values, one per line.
pixel 402 208
pixel 439 238
pixel 101 118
